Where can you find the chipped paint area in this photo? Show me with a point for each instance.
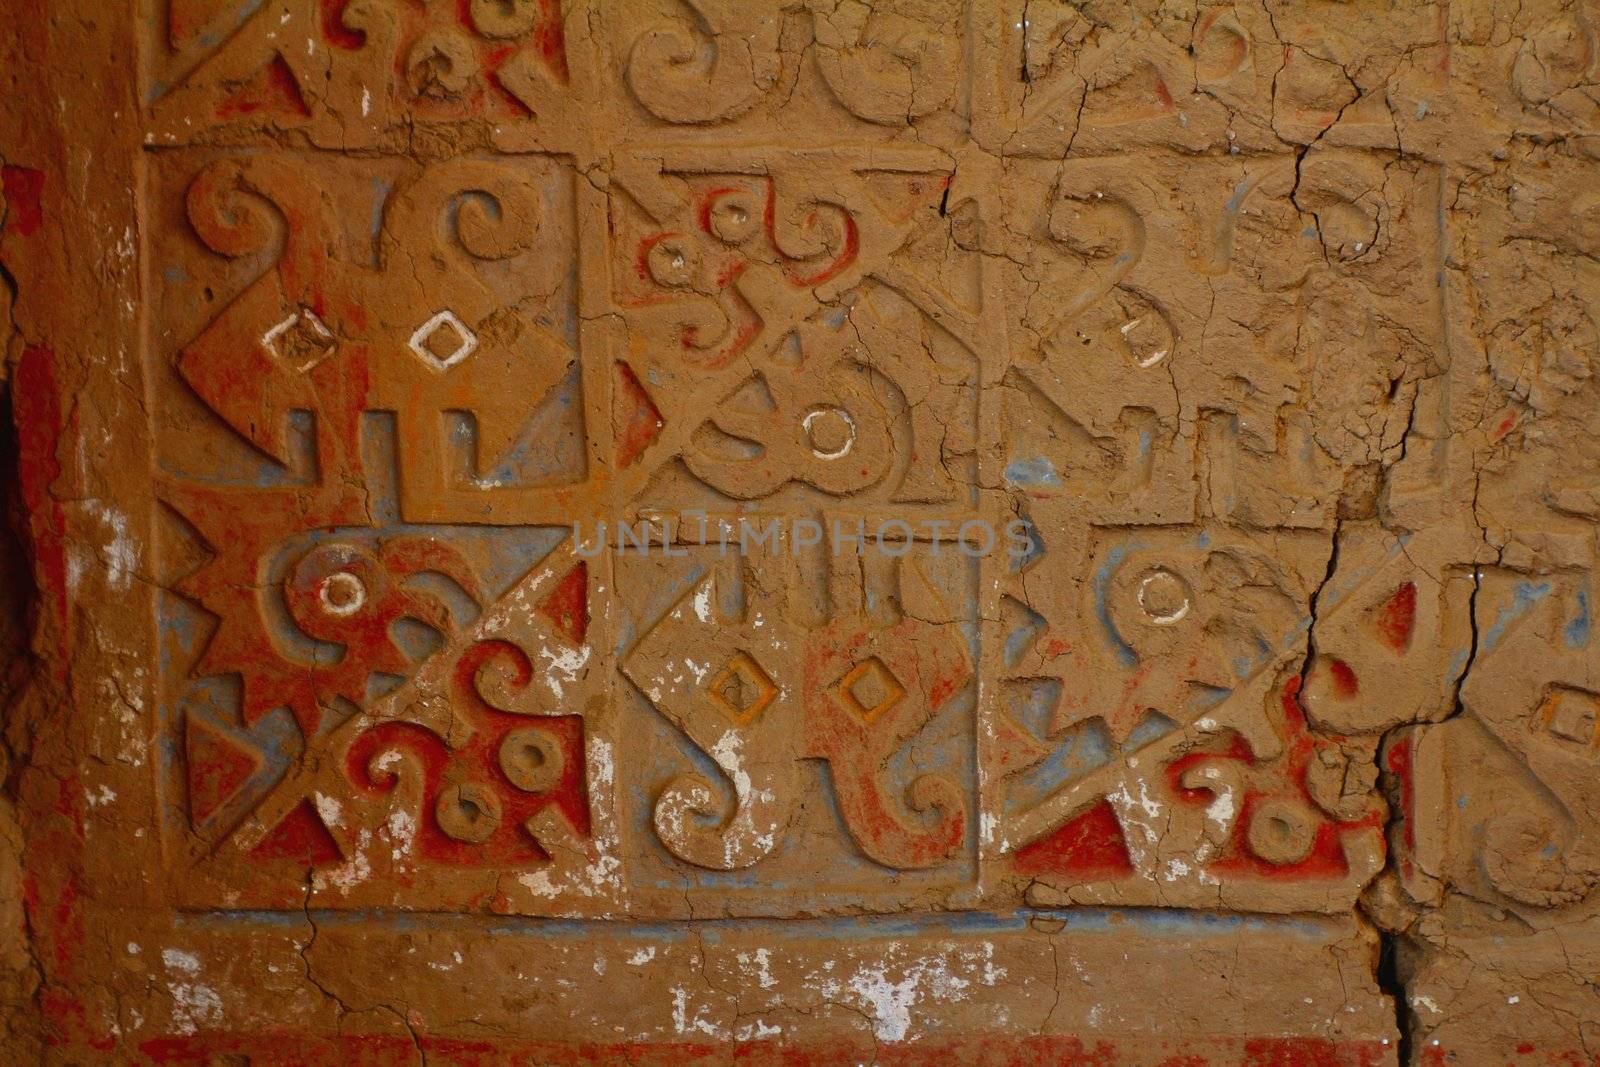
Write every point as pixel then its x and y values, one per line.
pixel 599 875
pixel 330 809
pixel 354 871
pixel 702 602
pixel 194 1003
pixel 402 827
pixel 689 1020
pixel 759 965
pixel 1143 820
pixel 564 667
pixel 119 555
pixel 890 992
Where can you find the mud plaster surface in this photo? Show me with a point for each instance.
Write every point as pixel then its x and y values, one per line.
pixel 1262 335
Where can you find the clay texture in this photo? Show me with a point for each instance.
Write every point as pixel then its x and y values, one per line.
pixel 801 531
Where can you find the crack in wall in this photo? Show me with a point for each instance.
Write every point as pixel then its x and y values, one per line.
pixel 1388 970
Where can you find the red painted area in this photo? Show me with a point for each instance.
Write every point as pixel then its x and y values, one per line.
pixel 730 264
pixel 366 635
pixel 217 769
pixel 944 686
pixel 856 747
pixel 508 100
pixel 551 39
pixel 731 273
pixel 301 837
pixel 1091 844
pixel 64 918
pixel 36 407
pixel 852 248
pixel 640 422
pixel 334 30
pixel 1399 762
pixel 1397 619
pixel 1345 682
pixel 1326 859
pixel 54 908
pixel 486 94
pixel 66 805
pixel 24 189
pixel 1307 1052
pixel 272 90
pixel 709 201
pixel 568 606
pixel 67 1021
pixel 641 260
pixel 741 340
pixel 60 927
pixel 769 220
pixel 478 762
pixel 992 1050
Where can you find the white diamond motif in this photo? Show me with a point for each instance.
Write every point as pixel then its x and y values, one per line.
pixel 419 340
pixel 313 325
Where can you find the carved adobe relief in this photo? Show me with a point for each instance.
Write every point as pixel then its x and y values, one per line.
pixel 377 633
pixel 1300 475
pixel 353 73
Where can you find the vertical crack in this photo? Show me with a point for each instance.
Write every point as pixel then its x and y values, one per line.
pixel 1027 75
pixel 1393 986
pixel 1472 644
pixel 1392 934
pixel 1315 609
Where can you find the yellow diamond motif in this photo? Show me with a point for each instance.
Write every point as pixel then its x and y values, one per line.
pixel 1571 717
pixel 742 690
pixel 869 690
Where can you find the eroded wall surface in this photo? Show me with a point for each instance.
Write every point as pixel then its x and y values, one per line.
pixel 1171 441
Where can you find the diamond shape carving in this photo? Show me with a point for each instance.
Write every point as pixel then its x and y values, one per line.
pixel 443 341
pixel 869 690
pixel 302 340
pixel 1570 718
pixel 742 690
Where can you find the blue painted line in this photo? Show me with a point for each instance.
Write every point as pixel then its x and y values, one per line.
pixel 1175 922
pixel 1102 608
pixel 1578 630
pixel 1018 640
pixel 1035 471
pixel 1526 596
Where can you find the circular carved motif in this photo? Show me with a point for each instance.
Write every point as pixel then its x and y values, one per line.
pixel 469 812
pixel 531 759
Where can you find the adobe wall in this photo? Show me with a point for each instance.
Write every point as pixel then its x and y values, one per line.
pixel 800 531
